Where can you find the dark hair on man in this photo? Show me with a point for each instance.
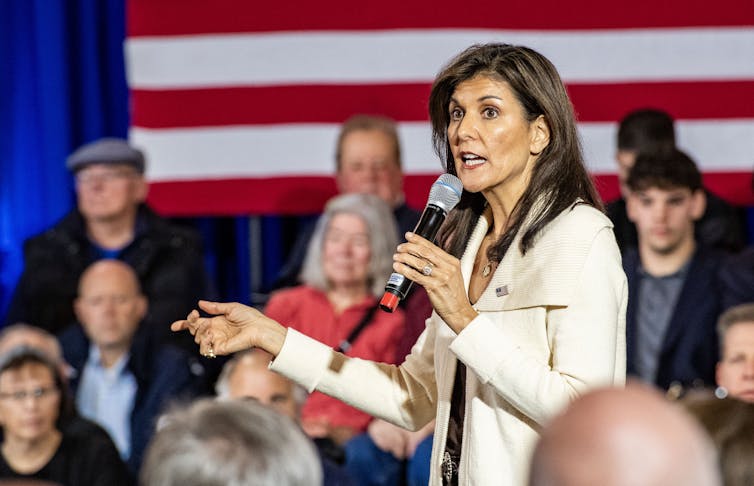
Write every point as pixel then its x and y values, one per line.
pixel 20 356
pixel 664 169
pixel 647 129
pixel 558 178
pixel 735 315
pixel 365 123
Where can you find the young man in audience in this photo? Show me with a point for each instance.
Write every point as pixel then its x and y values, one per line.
pixel 122 381
pixel 247 377
pixel 624 436
pixel 675 294
pixel 111 220
pixel 735 370
pixel 650 130
pixel 213 442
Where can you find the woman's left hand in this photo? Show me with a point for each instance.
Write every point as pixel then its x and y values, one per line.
pixel 440 274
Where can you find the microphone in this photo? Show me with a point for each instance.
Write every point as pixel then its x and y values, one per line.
pixel 443 196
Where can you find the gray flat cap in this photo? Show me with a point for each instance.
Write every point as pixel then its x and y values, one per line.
pixel 106 151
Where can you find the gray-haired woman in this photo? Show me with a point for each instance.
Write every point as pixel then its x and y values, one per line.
pixel 348 260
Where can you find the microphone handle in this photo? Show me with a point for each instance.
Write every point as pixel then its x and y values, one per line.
pixel 397 285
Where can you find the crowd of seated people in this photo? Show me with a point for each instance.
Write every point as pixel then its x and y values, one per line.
pixel 83 384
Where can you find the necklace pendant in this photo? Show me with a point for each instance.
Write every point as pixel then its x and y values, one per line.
pixel 487 269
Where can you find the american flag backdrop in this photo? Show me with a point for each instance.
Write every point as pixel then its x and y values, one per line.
pixel 237 103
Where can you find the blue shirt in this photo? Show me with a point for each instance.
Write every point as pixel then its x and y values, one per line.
pixel 106 396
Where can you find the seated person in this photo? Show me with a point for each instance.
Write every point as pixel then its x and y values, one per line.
pixel 735 370
pixel 368 161
pixel 672 279
pixel 247 376
pixel 19 334
pixel 111 220
pixel 122 381
pixel 346 267
pixel 212 442
pixel 648 130
pixel 34 405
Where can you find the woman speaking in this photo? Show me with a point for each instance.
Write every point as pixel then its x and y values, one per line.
pixel 526 282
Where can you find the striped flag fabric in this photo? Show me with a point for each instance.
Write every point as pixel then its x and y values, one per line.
pixel 237 104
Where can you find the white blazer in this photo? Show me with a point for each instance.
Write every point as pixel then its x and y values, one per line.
pixel 551 325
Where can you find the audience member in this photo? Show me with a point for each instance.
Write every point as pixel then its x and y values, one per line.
pixel 670 321
pixel 650 130
pixel 623 437
pixel 110 221
pixel 34 405
pixel 229 443
pixel 730 423
pixel 122 381
pixel 735 370
pixel 247 376
pixel 18 335
pixel 368 161
pixel 346 266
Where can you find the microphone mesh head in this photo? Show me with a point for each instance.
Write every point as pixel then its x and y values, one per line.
pixel 445 192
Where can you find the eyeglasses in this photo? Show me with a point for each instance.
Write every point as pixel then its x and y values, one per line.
pixel 38 393
pixel 85 178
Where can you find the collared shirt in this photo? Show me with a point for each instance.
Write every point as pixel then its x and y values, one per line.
pixel 106 396
pixel 657 300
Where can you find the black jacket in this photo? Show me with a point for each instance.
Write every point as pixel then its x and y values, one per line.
pixel 167 258
pixel 689 348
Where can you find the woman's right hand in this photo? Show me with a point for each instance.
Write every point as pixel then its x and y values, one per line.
pixel 232 327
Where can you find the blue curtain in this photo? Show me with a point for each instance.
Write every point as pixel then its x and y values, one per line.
pixel 62 80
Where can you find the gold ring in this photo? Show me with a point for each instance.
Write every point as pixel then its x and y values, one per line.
pixel 210 352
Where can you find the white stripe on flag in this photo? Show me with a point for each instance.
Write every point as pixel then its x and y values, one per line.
pixel 396 56
pixel 279 150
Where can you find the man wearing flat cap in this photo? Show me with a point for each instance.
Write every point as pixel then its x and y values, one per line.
pixel 111 220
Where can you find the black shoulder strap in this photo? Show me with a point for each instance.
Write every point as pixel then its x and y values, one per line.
pixel 346 344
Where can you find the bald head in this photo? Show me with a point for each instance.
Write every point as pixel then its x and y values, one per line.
pixel 110 305
pixel 109 270
pixel 623 437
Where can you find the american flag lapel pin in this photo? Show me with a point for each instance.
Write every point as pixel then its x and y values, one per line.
pixel 501 291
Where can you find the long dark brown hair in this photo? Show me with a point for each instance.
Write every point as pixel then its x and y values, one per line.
pixel 558 177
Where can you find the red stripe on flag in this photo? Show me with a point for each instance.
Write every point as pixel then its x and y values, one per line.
pixel 408 102
pixel 183 17
pixel 278 104
pixel 307 195
pixel 683 100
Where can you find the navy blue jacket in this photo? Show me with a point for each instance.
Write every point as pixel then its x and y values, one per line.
pixel 163 374
pixel 689 350
pixel 737 276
